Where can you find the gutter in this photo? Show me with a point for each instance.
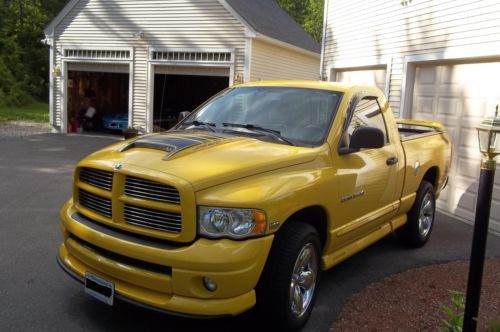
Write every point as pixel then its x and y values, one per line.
pixel 323 40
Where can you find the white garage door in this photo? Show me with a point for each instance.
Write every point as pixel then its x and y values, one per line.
pixel 460 96
pixel 375 77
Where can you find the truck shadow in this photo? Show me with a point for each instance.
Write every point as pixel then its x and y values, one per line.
pixel 450 241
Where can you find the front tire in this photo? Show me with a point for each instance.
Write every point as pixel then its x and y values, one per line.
pixel 417 230
pixel 287 289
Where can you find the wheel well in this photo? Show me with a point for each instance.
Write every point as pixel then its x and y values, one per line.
pixel 432 176
pixel 315 216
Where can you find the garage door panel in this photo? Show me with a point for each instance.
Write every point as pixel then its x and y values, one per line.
pixel 467 167
pixel 448 105
pixel 465 199
pixel 424 105
pixel 375 77
pixel 460 96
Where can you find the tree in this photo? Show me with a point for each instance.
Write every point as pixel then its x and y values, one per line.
pixel 23 58
pixel 308 13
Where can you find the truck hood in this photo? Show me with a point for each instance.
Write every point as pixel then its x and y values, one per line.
pixel 204 159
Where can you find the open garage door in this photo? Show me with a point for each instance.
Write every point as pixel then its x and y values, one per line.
pixel 460 96
pixel 376 76
pixel 98 97
pixel 181 88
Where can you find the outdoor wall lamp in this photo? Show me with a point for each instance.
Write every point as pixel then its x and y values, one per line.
pixel 238 78
pixel 489 145
pixel 56 71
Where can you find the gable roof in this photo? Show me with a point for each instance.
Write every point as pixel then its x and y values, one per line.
pixel 262 16
pixel 268 18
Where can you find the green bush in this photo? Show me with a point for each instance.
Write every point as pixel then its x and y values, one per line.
pixel 454 313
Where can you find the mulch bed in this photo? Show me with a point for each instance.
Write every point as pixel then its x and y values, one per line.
pixel 412 300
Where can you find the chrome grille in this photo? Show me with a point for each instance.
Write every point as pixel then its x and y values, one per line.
pixel 165 221
pixel 146 189
pixel 95 203
pixel 97 178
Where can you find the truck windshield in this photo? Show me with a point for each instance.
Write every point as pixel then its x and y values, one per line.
pixel 297 116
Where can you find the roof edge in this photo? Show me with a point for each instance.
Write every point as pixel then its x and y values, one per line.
pixel 49 30
pixel 289 46
pixel 250 29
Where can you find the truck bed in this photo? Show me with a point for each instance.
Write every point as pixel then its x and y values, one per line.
pixel 412 129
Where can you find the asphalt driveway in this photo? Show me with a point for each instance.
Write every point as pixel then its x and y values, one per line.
pixel 35 180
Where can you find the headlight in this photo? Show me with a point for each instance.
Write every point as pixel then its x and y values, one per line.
pixel 217 222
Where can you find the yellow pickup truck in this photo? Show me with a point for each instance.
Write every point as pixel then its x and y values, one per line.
pixel 249 198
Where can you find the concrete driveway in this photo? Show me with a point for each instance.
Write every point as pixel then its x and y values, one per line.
pixel 35 180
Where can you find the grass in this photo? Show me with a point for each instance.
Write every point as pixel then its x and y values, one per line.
pixel 37 112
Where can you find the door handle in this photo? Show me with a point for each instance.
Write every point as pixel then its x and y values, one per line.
pixel 392 161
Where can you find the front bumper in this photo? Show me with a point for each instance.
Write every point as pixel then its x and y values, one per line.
pixel 167 277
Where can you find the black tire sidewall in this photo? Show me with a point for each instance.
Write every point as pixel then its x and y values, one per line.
pixel 273 298
pixel 409 234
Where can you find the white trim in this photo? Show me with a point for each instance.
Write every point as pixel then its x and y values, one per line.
pixel 248 27
pixel 351 65
pixel 52 119
pixel 64 92
pixel 248 59
pixel 190 49
pixel 64 82
pixel 49 30
pixel 323 38
pixel 291 47
pixel 131 94
pixel 466 54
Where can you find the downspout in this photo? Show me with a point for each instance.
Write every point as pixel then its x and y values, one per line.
pixel 322 61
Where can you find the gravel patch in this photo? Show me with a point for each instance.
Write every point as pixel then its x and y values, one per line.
pixel 412 300
pixel 22 128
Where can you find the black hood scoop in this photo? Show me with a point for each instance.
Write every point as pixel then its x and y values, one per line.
pixel 172 143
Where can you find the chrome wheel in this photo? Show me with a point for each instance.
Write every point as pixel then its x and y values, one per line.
pixel 303 281
pixel 426 216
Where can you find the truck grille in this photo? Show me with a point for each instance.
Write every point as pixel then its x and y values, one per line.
pixel 97 178
pixel 95 203
pixel 165 221
pixel 146 189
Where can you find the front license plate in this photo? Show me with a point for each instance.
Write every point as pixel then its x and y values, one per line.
pixel 99 288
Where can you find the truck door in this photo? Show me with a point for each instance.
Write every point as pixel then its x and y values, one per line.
pixel 368 178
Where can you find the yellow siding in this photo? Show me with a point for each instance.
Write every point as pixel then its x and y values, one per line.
pixel 167 24
pixel 362 32
pixel 275 62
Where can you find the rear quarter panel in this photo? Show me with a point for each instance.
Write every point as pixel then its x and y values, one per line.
pixel 421 154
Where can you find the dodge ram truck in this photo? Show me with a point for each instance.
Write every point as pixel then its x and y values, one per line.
pixel 245 201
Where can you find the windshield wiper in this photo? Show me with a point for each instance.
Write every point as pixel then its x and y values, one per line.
pixel 207 125
pixel 270 132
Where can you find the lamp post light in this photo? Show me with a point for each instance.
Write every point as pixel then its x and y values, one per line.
pixel 489 144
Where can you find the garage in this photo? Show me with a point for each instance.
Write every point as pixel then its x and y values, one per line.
pixel 183 88
pixel 372 76
pixel 460 95
pixel 98 97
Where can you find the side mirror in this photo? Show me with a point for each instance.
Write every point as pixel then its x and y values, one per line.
pixel 366 138
pixel 182 116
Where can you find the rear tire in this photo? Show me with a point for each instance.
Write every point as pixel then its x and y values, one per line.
pixel 287 289
pixel 417 230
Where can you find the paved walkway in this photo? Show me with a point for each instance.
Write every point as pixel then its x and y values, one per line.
pixel 35 180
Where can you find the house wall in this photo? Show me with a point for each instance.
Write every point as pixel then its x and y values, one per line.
pixel 269 61
pixel 443 62
pixel 363 33
pixel 190 24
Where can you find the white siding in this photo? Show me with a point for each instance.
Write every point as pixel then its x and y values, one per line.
pixel 275 62
pixel 165 24
pixel 363 33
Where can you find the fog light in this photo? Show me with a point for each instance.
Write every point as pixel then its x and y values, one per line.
pixel 209 284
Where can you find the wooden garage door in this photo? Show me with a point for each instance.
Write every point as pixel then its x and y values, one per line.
pixel 459 96
pixel 375 77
